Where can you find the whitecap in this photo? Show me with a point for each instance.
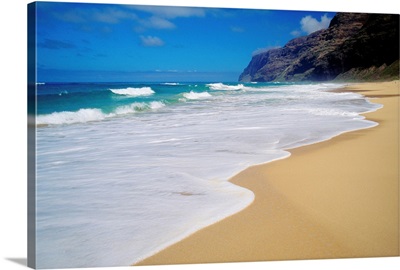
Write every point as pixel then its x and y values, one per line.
pixel 194 95
pixel 67 117
pixel 134 92
pixel 155 105
pixel 138 107
pixel 221 86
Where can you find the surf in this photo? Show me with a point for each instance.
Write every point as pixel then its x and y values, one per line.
pixel 134 92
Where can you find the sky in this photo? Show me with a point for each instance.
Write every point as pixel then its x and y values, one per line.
pixel 79 42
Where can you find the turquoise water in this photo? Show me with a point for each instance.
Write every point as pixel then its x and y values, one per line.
pixel 60 103
pixel 125 170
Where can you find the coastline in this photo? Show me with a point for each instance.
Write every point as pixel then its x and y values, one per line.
pixel 343 205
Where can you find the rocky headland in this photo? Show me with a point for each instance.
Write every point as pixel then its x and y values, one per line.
pixel 355 46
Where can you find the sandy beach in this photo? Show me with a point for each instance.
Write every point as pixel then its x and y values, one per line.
pixel 335 199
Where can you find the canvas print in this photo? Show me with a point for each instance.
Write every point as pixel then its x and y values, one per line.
pixel 182 135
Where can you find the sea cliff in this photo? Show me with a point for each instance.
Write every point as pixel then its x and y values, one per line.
pixel 355 46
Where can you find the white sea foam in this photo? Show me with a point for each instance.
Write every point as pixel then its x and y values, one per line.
pixel 155 105
pixel 131 108
pixel 134 92
pixel 171 83
pixel 114 192
pixel 331 112
pixel 90 115
pixel 221 86
pixel 195 95
pixel 81 116
pixel 139 107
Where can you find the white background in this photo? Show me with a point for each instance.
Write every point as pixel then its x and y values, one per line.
pixel 13 129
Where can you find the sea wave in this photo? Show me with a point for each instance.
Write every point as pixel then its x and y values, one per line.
pixel 66 117
pixel 134 92
pixel 174 83
pixel 89 115
pixel 155 148
pixel 194 95
pixel 138 107
pixel 221 86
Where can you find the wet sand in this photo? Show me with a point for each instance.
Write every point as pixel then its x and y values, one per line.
pixel 334 199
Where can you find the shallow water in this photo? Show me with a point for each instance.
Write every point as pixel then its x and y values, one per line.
pixel 124 170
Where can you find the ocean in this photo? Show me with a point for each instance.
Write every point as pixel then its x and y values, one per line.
pixel 127 169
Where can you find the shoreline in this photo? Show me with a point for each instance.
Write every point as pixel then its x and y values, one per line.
pixel 344 206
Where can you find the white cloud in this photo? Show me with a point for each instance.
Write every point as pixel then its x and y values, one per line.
pixel 157 22
pixel 103 15
pixel 151 41
pixel 310 24
pixel 263 50
pixel 112 15
pixel 295 33
pixel 161 16
pixel 172 12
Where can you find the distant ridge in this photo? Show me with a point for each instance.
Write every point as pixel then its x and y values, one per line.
pixel 355 46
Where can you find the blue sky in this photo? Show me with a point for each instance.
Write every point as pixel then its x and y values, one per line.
pixel 102 42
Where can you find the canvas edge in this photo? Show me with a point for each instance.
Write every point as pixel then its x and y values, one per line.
pixel 31 136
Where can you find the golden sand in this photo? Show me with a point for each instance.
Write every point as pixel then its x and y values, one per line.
pixel 335 199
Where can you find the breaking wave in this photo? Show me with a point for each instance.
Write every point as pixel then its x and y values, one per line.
pixel 81 116
pixel 90 115
pixel 139 107
pixel 134 92
pixel 193 95
pixel 171 83
pixel 221 86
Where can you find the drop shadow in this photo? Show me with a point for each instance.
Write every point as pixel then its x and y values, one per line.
pixel 20 261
